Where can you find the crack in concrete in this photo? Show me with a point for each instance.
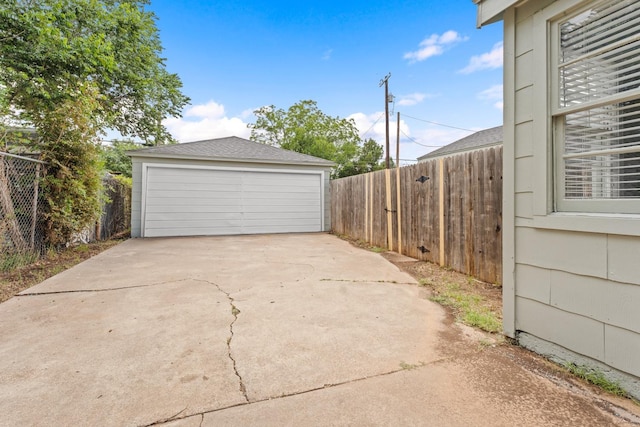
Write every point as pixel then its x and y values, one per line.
pixel 88 291
pixel 170 419
pixel 325 386
pixel 234 311
pixel 394 282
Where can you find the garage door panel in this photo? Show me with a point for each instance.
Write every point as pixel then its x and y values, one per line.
pixel 193 175
pixel 191 231
pixel 193 186
pixel 251 195
pixel 257 216
pixel 191 194
pixel 275 229
pixel 205 206
pixel 221 201
pixel 184 201
pixel 289 191
pixel 185 217
pixel 200 223
pixel 279 209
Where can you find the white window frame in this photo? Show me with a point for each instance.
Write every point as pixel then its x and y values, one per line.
pixel 545 210
pixel 558 113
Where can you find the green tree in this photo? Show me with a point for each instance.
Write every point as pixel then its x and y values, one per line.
pixel 115 158
pixel 48 48
pixel 304 128
pixel 73 68
pixel 368 159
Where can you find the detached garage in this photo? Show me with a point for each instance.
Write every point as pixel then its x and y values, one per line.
pixel 227 186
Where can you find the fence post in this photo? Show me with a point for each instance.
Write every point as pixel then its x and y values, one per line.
pixel 371 208
pixel 398 205
pixel 366 208
pixel 387 178
pixel 34 206
pixel 441 208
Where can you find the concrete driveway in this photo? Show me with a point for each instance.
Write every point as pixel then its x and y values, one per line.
pixel 257 330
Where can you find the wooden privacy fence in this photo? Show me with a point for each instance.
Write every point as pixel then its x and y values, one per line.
pixel 449 211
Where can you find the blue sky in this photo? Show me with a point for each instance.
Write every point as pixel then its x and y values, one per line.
pixel 236 56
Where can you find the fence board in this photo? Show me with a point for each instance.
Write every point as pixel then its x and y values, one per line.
pixel 472 206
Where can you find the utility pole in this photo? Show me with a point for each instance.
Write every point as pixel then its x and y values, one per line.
pixel 385 82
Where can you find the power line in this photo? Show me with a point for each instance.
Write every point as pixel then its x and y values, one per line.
pixel 374 123
pixel 419 143
pixel 439 124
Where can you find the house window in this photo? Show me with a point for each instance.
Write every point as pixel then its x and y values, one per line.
pixel 596 108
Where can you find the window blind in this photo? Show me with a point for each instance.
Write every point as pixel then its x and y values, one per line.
pixel 599 65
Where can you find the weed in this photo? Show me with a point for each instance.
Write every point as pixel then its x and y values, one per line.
pixel 469 308
pixel 82 248
pixel 234 310
pixel 409 367
pixel 15 260
pixel 377 249
pixel 424 283
pixel 596 378
pixel 484 343
pixel 484 320
pixel 57 270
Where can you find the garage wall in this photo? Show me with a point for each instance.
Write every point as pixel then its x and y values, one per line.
pixel 136 195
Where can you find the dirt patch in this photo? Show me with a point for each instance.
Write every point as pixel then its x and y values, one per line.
pixel 440 280
pixel 15 281
pixel 480 352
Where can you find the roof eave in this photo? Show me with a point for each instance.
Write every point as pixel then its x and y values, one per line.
pixel 135 153
pixel 490 11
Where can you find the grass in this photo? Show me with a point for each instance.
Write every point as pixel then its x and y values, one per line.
pixel 12 261
pixel 19 272
pixel 469 308
pixel 596 378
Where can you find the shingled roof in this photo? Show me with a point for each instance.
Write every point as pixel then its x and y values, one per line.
pixel 230 148
pixel 482 139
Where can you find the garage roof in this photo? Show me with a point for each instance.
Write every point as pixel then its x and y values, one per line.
pixel 482 139
pixel 233 149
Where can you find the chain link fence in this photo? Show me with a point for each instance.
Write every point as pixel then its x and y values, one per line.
pixel 22 236
pixel 21 232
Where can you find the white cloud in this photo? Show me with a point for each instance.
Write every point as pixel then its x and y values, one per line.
pixel 434 45
pixel 373 126
pixel 210 110
pixel 206 121
pixel 413 99
pixel 410 142
pixel 247 113
pixel 327 54
pixel 494 93
pixel 487 61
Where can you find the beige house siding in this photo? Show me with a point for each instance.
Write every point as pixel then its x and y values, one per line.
pixel 136 191
pixel 571 281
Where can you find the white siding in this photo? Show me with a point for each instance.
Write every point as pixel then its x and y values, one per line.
pixel 575 278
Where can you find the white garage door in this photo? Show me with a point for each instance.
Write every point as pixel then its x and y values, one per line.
pixel 197 202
